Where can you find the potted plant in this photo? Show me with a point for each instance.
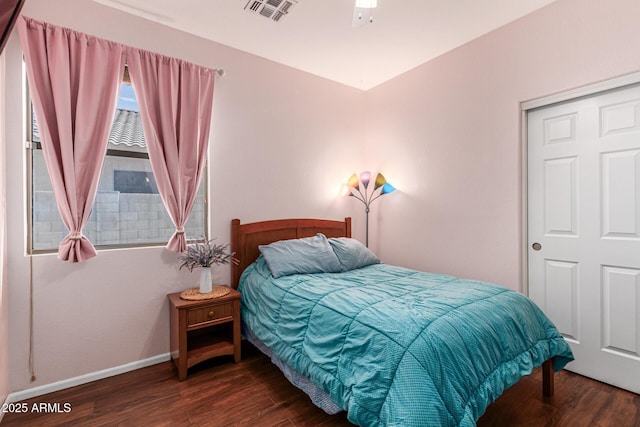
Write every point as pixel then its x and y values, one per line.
pixel 204 254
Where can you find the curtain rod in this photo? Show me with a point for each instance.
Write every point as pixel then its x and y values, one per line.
pixel 219 71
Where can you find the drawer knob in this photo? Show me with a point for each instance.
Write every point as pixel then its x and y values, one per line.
pixel 211 314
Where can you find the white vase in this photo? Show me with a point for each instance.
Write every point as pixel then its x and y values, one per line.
pixel 205 280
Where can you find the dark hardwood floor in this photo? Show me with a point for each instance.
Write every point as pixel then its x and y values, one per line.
pixel 255 393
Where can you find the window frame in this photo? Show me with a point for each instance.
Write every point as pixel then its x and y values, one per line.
pixel 30 146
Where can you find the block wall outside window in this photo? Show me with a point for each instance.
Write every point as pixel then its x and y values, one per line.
pixel 135 217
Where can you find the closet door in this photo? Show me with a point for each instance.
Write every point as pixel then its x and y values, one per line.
pixel 584 229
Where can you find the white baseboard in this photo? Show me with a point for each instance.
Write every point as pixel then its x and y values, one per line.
pixel 83 379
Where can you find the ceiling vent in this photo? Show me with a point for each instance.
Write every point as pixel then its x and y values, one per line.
pixel 274 10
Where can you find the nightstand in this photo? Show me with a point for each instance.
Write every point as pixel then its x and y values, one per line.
pixel 204 329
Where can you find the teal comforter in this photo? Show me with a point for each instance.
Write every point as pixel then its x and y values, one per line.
pixel 397 347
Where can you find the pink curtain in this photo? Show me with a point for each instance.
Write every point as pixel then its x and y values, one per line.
pixel 175 99
pixel 73 80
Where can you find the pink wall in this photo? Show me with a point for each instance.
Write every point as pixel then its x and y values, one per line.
pixel 4 306
pixel 282 142
pixel 449 134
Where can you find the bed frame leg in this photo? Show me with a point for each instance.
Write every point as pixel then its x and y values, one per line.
pixel 547 378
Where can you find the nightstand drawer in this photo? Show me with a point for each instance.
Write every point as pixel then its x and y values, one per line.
pixel 213 313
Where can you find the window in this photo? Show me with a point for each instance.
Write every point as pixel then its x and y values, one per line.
pixel 128 211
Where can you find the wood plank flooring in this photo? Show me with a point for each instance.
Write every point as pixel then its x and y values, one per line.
pixel 255 393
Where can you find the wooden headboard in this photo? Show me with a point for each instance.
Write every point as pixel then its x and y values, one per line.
pixel 245 238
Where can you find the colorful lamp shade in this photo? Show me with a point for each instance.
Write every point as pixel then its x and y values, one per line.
pixel 353 182
pixel 387 188
pixel 353 189
pixel 365 177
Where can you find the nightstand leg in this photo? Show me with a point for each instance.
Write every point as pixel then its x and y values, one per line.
pixel 182 372
pixel 236 331
pixel 182 346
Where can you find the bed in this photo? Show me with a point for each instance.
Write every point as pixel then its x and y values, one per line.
pixel 391 346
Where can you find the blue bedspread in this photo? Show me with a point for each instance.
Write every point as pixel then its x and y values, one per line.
pixel 397 347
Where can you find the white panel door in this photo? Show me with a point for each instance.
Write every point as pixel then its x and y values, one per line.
pixel 584 229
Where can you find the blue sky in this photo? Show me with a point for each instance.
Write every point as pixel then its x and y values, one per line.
pixel 127 98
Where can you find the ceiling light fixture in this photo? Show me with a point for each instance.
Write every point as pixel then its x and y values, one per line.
pixel 362 12
pixel 366 4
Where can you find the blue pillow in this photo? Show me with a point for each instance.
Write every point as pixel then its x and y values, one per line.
pixel 300 256
pixel 352 254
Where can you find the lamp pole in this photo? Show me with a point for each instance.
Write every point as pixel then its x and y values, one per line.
pixel 366 236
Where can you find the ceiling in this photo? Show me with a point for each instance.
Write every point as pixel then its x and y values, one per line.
pixel 317 36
